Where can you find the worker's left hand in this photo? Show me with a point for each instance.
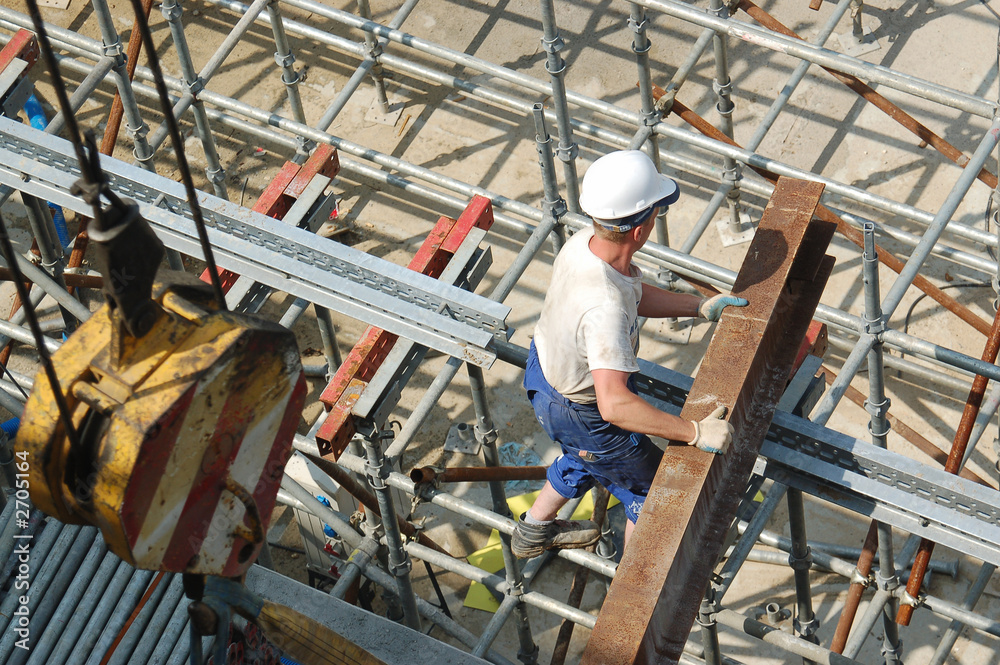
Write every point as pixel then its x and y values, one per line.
pixel 713 434
pixel 711 308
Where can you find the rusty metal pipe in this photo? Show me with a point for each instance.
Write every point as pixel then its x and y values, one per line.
pixel 849 232
pixel 579 584
pixel 952 465
pixel 474 474
pixel 855 590
pixel 71 279
pixel 869 94
pixel 352 487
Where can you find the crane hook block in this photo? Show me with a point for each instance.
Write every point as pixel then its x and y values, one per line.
pixel 183 436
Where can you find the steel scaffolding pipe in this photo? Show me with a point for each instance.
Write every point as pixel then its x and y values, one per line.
pixel 465 508
pixel 617 115
pixel 597 105
pixel 475 474
pixel 923 217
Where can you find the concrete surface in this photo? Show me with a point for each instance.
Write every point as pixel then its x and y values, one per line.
pixel 825 130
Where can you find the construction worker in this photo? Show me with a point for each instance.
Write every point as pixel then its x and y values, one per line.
pixel 581 363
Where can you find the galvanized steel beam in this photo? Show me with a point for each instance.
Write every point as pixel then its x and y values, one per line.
pixel 378 292
pixel 659 585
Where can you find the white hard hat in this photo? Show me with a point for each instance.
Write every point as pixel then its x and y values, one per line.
pixel 623 183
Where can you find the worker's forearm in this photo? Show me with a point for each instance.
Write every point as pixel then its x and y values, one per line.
pixel 658 303
pixel 635 414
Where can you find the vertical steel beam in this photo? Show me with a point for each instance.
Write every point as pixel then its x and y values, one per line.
pixel 660 583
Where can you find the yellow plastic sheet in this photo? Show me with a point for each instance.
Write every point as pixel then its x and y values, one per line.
pixel 490 557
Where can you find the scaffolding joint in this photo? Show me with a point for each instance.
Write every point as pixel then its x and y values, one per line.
pixel 806 628
pixel 709 610
pixel 196 86
pixel 216 176
pixel 556 208
pixel 555 66
pixel 401 568
pixel 514 589
pixel 567 153
pixel 666 102
pixel 878 410
pixel 733 174
pixel 803 562
pixel 138 133
pixel 722 11
pixel 115 52
pixel 891 652
pixel 874 327
pixel 553 46
pixel 284 60
pixel 906 598
pixel 304 149
pixel 864 580
pixel 725 91
pixel 487 437
pixel 888 584
pixel 642 51
pixel 172 11
pixel 638 27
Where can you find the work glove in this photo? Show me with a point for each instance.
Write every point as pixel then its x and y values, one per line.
pixel 711 308
pixel 713 434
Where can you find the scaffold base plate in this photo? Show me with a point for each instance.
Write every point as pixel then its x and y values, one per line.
pixel 729 236
pixel 851 46
pixel 375 113
pixel 462 439
pixel 676 331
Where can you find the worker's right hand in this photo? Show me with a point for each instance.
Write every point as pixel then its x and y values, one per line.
pixel 711 308
pixel 712 434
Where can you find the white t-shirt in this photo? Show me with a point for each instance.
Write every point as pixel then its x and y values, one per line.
pixel 588 320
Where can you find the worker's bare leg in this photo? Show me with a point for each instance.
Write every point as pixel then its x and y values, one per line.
pixel 539 530
pixel 629 527
pixel 547 504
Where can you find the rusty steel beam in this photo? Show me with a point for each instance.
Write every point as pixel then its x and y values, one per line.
pixel 364 360
pixel 885 257
pixel 662 579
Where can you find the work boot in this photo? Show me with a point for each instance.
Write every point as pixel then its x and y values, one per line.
pixel 530 540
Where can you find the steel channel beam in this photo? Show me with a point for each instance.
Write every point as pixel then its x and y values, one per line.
pixel 886 486
pixel 288 259
pixel 661 581
pixel 854 474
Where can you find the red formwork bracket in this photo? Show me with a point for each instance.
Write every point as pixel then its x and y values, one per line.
pixel 22 46
pixel 368 354
pixel 813 344
pixel 279 196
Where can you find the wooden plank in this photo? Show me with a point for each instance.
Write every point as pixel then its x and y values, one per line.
pixel 665 570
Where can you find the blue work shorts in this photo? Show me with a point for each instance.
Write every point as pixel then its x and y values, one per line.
pixel 622 461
